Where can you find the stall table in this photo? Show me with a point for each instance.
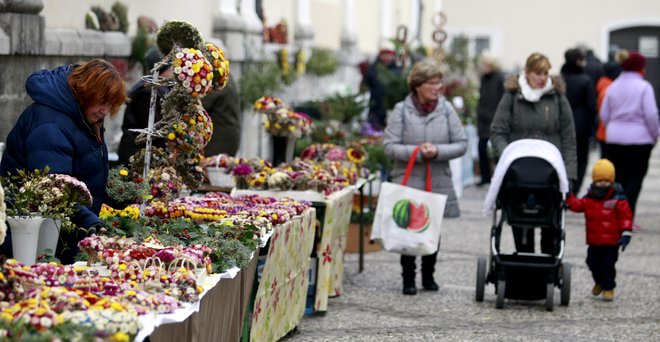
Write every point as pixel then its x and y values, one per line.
pixel 220 312
pixel 334 215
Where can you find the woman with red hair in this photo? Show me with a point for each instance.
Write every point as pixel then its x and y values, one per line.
pixel 63 129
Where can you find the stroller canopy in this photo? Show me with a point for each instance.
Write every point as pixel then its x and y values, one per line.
pixel 520 149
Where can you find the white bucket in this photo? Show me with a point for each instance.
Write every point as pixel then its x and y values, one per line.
pixel 49 234
pixel 25 237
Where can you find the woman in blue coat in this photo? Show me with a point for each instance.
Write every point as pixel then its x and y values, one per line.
pixel 63 129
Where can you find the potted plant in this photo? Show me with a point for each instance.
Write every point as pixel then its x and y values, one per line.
pixel 37 202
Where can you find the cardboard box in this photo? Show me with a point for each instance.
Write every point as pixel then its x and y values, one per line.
pixel 353 239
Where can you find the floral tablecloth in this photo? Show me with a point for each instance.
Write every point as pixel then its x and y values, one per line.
pixel 330 250
pixel 330 272
pixel 280 300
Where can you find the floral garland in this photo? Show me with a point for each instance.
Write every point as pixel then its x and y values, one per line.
pixel 193 72
pixel 221 66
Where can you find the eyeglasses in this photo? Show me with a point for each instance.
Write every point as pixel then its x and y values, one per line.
pixel 434 83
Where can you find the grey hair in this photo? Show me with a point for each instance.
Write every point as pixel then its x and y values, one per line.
pixel 423 71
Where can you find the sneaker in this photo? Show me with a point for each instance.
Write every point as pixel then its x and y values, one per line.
pixel 596 290
pixel 608 295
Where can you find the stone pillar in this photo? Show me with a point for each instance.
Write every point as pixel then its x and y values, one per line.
pixel 253 26
pixel 386 26
pixel 229 26
pixel 304 31
pixel 22 27
pixel 348 53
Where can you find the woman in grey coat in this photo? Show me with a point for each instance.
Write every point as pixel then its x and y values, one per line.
pixel 427 120
pixel 535 107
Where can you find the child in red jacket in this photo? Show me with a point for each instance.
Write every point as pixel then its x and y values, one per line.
pixel 609 221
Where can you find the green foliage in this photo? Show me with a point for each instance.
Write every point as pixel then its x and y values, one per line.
pixel 343 108
pixel 139 46
pixel 259 79
pixel 22 330
pixel 376 158
pixel 396 85
pixel 121 11
pixel 367 216
pixel 322 62
pixel 125 186
pixel 178 33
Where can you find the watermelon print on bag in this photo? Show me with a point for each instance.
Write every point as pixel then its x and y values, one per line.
pixel 411 216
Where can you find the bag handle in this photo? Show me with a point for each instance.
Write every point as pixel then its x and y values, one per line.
pixel 411 164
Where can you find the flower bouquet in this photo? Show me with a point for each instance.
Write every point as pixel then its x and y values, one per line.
pixel 124 187
pixel 165 184
pixel 286 123
pixel 241 174
pixel 267 104
pixel 34 197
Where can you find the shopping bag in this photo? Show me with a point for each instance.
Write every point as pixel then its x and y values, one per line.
pixel 408 220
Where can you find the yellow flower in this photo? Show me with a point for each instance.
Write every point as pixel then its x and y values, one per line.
pixel 171 136
pixel 120 336
pixel 123 172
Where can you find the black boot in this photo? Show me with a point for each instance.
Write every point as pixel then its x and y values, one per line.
pixel 409 287
pixel 428 268
pixel 408 266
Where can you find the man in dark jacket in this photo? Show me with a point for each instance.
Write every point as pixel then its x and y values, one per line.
pixel 63 129
pixel 382 76
pixel 582 97
pixel 490 94
pixel 224 108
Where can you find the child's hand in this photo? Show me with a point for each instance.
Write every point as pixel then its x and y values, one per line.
pixel 625 240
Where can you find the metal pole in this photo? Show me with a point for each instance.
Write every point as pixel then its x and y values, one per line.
pixel 150 130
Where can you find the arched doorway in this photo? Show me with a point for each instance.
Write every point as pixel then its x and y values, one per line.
pixel 646 40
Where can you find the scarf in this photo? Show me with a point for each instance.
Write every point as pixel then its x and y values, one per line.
pixel 600 192
pixel 530 94
pixel 425 108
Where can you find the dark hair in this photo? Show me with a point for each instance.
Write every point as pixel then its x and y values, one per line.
pixel 97 82
pixel 573 56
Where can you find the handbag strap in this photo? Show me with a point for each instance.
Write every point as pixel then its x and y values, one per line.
pixel 411 164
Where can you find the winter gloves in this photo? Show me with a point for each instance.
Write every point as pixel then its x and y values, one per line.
pixel 625 240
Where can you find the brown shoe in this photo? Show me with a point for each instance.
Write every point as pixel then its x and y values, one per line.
pixel 596 290
pixel 608 295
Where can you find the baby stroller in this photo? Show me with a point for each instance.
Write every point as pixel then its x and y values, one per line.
pixel 528 190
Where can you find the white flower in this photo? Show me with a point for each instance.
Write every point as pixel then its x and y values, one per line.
pixel 165 176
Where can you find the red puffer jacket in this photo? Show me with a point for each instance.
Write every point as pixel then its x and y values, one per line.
pixel 606 217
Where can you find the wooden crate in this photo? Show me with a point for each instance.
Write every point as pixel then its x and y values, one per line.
pixel 353 239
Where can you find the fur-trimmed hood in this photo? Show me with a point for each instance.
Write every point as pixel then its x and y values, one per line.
pixel 511 84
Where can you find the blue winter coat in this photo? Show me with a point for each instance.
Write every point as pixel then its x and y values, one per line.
pixel 53 132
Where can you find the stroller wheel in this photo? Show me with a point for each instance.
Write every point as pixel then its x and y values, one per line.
pixel 481 279
pixel 501 288
pixel 565 284
pixel 550 296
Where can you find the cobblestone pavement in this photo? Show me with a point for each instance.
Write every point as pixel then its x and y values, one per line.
pixel 372 308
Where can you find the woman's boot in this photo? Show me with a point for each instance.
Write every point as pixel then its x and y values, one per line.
pixel 428 268
pixel 408 266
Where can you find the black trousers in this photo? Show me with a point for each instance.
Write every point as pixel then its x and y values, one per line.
pixel 408 266
pixel 631 163
pixel 601 261
pixel 524 240
pixel 484 162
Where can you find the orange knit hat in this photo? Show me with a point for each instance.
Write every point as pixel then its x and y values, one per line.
pixel 603 171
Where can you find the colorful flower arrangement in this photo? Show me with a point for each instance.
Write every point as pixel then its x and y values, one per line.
pixel 125 186
pixel 165 183
pixel 220 64
pixel 37 192
pixel 191 131
pixel 267 104
pixel 286 123
pixel 193 71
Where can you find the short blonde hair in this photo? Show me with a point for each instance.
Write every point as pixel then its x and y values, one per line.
pixel 423 71
pixel 537 62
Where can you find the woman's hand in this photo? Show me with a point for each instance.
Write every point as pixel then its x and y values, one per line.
pixel 429 151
